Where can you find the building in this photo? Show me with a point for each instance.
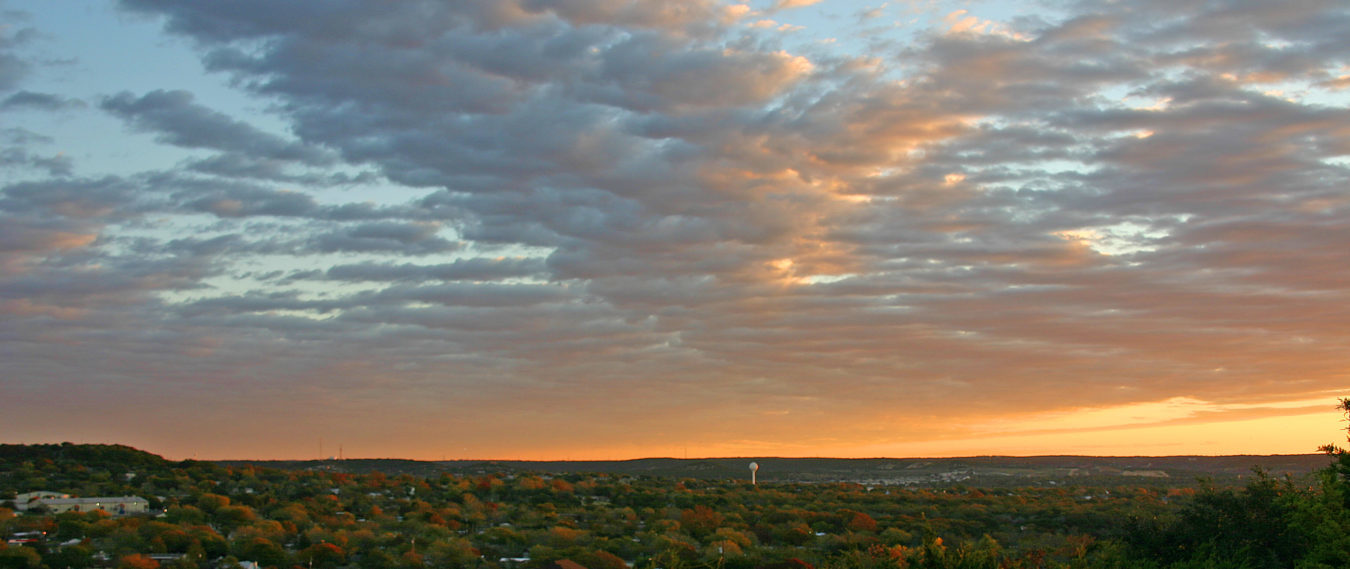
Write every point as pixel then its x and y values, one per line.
pixel 61 503
pixel 28 499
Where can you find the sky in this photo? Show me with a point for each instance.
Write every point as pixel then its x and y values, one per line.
pixel 611 229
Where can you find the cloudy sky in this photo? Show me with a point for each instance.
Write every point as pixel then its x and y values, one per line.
pixel 603 229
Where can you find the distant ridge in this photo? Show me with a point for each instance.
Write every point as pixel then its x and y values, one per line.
pixel 972 471
pixel 988 471
pixel 979 470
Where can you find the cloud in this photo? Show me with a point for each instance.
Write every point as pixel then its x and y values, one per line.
pixel 239 166
pixel 389 237
pixel 696 14
pixel 531 203
pixel 871 12
pixel 12 157
pixel 475 269
pixel 181 122
pixel 13 68
pixel 790 4
pixel 40 101
pixel 104 199
pixel 26 235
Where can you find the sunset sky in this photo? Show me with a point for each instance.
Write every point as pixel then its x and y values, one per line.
pixel 610 229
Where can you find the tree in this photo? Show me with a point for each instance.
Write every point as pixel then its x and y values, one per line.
pixel 137 561
pixel 209 503
pixel 322 555
pixel 1269 524
pixel 1251 527
pixel 264 551
pixel 227 518
pixel 858 521
pixel 70 557
pixel 19 558
pixel 700 520
pixel 1340 466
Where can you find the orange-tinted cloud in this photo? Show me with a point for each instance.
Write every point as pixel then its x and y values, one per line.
pixel 666 227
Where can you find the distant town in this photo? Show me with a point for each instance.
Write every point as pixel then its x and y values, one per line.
pixel 113 507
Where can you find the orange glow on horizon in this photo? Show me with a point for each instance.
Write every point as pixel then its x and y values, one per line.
pixel 1290 434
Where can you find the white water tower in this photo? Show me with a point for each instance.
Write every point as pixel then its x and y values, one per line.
pixel 754 469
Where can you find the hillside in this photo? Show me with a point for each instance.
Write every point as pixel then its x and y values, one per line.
pixel 969 513
pixel 89 456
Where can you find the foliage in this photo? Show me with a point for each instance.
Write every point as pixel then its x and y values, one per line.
pixel 19 558
pixel 1269 524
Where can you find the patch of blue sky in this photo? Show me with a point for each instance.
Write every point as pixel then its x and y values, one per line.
pixel 883 30
pixel 1305 93
pixel 859 28
pixel 1123 238
pixel 81 134
pixel 271 272
pixel 161 226
pixel 1056 166
pixel 102 51
pixel 1036 175
pixel 243 270
pixel 827 279
pixel 378 191
pixel 1127 95
pixel 265 274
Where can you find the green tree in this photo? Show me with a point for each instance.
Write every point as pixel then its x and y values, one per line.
pixel 322 555
pixel 19 558
pixel 265 552
pixel 70 557
pixel 1269 524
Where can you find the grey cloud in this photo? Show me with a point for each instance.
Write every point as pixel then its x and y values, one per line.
pixel 236 198
pixel 24 136
pixel 696 14
pixel 256 303
pixel 234 165
pixel 18 157
pixel 259 201
pixel 26 234
pixel 103 198
pixel 202 247
pixel 373 23
pixel 715 219
pixel 40 101
pixel 240 166
pixel 545 139
pixel 117 282
pixel 993 73
pixel 654 72
pixel 473 294
pixel 12 71
pixel 473 269
pixel 389 237
pixel 1317 27
pixel 459 295
pixel 181 122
